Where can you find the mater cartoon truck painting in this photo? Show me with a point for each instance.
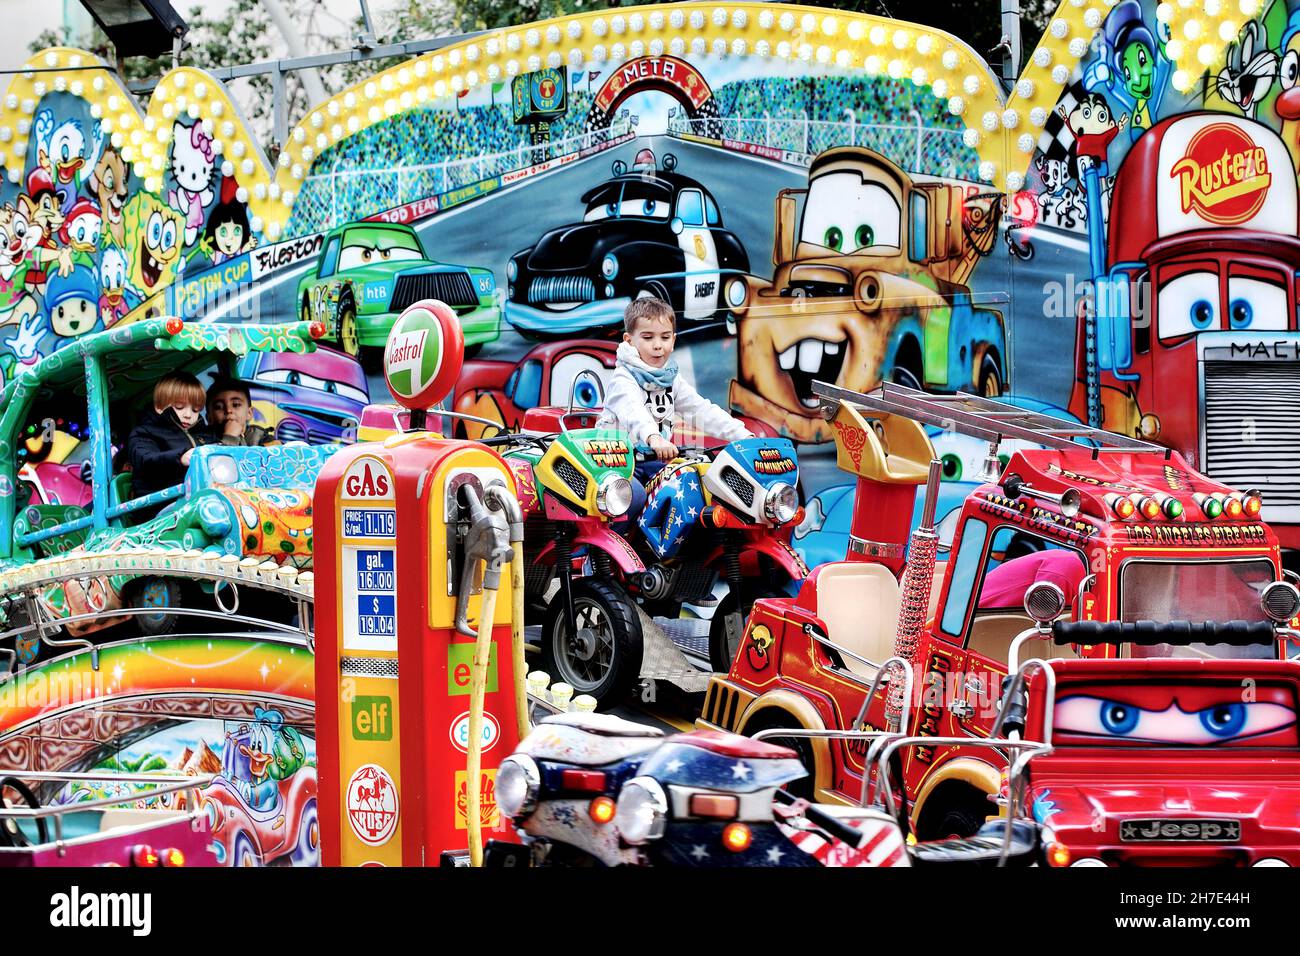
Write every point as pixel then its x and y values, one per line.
pixel 870 285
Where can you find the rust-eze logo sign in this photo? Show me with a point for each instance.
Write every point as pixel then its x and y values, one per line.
pixel 1224 176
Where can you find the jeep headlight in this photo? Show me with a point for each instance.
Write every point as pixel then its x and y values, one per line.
pixel 222 470
pixel 736 293
pixel 781 503
pixel 642 810
pixel 609 266
pixel 517 785
pixel 614 496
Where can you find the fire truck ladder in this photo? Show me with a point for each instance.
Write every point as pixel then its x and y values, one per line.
pixel 981 418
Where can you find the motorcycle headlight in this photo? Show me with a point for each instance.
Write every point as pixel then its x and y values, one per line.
pixel 736 293
pixel 614 496
pixel 642 811
pixel 781 503
pixel 223 470
pixel 517 785
pixel 609 266
pixel 512 270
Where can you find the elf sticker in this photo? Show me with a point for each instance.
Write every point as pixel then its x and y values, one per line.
pixel 372 805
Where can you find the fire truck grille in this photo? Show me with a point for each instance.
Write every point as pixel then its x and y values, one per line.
pixel 741 488
pixel 1252 431
pixel 544 290
pixel 454 288
pixel 570 475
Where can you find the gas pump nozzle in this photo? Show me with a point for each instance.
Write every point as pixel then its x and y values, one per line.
pixel 487 540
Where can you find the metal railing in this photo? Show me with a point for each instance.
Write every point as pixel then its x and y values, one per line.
pixel 913 146
pixel 330 198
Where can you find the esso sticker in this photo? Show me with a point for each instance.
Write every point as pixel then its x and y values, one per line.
pixel 491 732
pixel 367 478
pixel 372 805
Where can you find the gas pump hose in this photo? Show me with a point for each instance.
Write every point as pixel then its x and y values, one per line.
pixel 497 496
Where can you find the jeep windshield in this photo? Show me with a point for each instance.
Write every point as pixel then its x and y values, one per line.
pixel 628 199
pixel 1196 591
pixel 372 244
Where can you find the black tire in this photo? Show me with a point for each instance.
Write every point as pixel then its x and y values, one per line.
pixel 959 818
pixel 155 593
pixel 607 663
pixel 989 382
pixel 720 653
pixel 909 368
pixel 345 329
pixel 658 291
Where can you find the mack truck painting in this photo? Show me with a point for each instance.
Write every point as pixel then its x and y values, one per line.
pixel 1195 329
pixel 870 285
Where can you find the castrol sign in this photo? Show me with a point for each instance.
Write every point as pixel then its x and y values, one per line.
pixel 423 357
pixel 1225 172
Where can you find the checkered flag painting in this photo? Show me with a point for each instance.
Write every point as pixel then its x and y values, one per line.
pixel 1056 141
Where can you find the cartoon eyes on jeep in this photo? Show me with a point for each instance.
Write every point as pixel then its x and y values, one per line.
pixel 1228 720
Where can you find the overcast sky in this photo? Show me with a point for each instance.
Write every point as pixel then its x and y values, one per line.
pixel 25 19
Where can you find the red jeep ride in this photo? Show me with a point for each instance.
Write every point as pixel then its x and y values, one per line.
pixel 1123 530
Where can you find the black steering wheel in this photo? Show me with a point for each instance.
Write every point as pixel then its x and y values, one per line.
pixel 11 834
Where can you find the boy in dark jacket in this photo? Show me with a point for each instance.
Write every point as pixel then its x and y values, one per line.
pixel 159 448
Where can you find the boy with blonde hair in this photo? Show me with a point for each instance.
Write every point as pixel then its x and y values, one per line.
pixel 159 448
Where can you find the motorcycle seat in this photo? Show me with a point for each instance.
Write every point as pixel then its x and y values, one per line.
pixel 589 739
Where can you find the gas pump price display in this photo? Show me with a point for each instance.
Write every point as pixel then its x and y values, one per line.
pixel 369 560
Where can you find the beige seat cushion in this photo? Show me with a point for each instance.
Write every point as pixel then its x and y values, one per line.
pixel 858 602
pixel 991 636
pixel 936 587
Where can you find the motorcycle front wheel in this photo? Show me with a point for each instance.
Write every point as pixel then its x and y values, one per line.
pixel 603 659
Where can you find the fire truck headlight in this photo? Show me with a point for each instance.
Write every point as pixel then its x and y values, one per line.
pixel 1280 601
pixel 518 784
pixel 781 503
pixel 614 496
pixel 642 811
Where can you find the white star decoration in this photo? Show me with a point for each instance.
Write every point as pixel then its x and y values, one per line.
pixel 700 853
pixel 741 771
pixel 681 493
pixel 774 855
pixel 673 766
pixel 691 511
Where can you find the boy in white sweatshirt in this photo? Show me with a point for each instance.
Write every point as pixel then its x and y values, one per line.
pixel 645 396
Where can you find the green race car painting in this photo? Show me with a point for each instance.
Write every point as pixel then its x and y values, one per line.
pixel 368 273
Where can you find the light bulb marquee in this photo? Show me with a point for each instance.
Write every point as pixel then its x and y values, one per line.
pixel 1002 129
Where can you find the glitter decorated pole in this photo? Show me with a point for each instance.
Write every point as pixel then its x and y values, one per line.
pixel 915 601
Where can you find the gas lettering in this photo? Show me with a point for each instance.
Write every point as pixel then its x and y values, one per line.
pixel 369 483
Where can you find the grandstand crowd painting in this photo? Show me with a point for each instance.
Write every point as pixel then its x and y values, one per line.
pixel 811 212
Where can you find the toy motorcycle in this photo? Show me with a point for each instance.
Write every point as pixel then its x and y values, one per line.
pixel 712 799
pixel 556 788
pixel 729 514
pixel 571 486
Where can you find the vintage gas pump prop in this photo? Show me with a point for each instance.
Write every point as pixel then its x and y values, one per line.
pixel 429 676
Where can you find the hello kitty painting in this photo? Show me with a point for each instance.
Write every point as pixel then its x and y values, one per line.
pixel 193 170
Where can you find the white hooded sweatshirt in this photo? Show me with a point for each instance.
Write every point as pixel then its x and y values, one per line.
pixel 643 411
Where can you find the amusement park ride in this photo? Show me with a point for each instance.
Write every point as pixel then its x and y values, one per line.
pixel 431 632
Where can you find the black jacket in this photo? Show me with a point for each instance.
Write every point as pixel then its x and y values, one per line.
pixel 154 449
